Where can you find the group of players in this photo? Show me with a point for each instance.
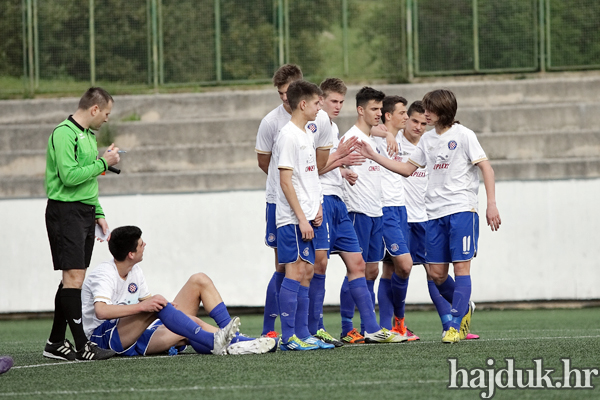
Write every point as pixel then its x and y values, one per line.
pixel 324 195
pixel 387 190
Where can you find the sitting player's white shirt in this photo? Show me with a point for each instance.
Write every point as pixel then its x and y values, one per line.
pixel 297 153
pixel 392 188
pixel 332 182
pixel 319 130
pixel 415 186
pixel 451 160
pixel 106 285
pixel 365 196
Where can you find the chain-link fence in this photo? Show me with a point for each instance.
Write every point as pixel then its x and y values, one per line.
pixel 64 45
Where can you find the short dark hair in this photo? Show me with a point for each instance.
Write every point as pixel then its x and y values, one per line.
pixel 389 105
pixel 287 73
pixel 124 240
pixel 416 107
pixel 367 94
pixel 333 85
pixel 442 103
pixel 95 96
pixel 301 90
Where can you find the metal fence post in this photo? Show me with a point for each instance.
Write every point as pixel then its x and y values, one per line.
pixel 36 45
pixel 154 45
pixel 409 42
pixel 280 30
pixel 30 46
pixel 218 40
pixel 345 37
pixel 546 38
pixel 161 57
pixel 286 14
pixel 24 33
pixel 417 67
pixel 475 36
pixel 92 44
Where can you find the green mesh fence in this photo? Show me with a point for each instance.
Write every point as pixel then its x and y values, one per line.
pixel 62 45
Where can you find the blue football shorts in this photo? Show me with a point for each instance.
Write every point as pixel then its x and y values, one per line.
pixel 395 231
pixel 106 336
pixel 342 236
pixel 290 245
pixel 271 231
pixel 369 231
pixel 452 238
pixel 417 239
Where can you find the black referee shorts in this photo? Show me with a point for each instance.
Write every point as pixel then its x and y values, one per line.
pixel 70 227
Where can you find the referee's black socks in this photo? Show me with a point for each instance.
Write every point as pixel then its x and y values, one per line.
pixel 71 306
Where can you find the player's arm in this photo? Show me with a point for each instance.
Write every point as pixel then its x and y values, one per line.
pixel 382 132
pixel 112 311
pixel 285 180
pixel 322 159
pixel 404 169
pixel 263 161
pixel 489 181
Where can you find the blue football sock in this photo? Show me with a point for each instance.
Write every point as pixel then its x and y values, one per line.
pixel 346 307
pixel 272 302
pixel 182 325
pixel 288 304
pixel 446 289
pixel 301 326
pixel 241 338
pixel 220 315
pixel 371 289
pixel 362 298
pixel 316 295
pixel 399 289
pixel 460 304
pixel 441 304
pixel 386 308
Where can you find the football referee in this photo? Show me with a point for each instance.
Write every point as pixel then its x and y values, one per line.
pixel 72 212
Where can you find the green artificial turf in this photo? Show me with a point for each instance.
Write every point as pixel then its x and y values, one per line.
pixel 416 370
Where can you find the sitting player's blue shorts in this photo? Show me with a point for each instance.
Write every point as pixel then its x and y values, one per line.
pixel 369 231
pixel 395 230
pixel 417 239
pixel 106 336
pixel 290 245
pixel 452 238
pixel 271 232
pixel 342 236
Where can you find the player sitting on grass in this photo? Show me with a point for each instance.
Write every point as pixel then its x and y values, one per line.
pixel 299 215
pixel 451 153
pixel 119 313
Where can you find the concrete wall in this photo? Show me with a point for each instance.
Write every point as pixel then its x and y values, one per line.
pixel 546 249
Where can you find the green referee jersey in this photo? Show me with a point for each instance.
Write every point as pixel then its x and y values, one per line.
pixel 72 165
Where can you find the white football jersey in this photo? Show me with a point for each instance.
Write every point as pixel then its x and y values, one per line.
pixel 415 186
pixel 332 181
pixel 297 153
pixel 268 132
pixel 365 196
pixel 104 284
pixel 451 160
pixel 392 188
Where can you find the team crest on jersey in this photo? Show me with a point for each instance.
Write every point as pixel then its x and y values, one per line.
pixel 271 238
pixel 452 144
pixel 132 288
pixel 394 247
pixel 313 127
pixel 305 252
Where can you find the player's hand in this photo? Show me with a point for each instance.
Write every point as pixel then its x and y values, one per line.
pixel 493 217
pixel 307 230
pixel 319 217
pixel 111 155
pixel 366 150
pixel 104 225
pixel 346 147
pixel 353 158
pixel 392 145
pixel 349 176
pixel 154 303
